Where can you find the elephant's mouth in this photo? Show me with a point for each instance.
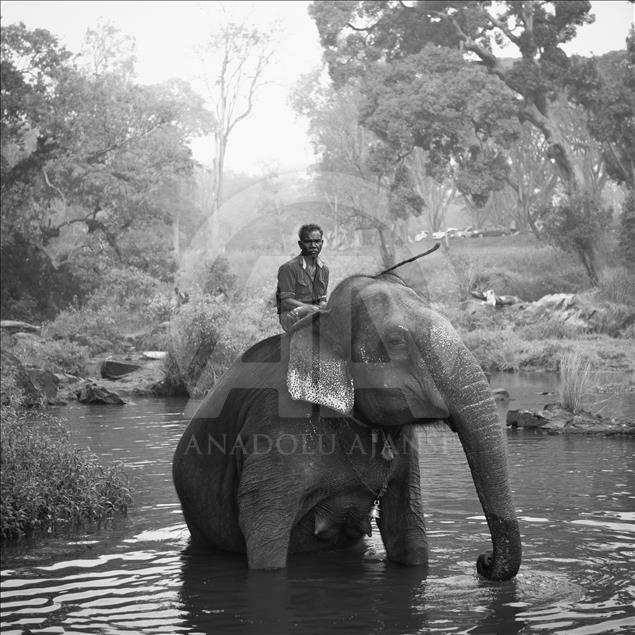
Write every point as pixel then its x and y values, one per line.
pixel 399 406
pixel 423 407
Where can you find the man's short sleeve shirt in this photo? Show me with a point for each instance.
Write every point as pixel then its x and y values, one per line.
pixel 295 282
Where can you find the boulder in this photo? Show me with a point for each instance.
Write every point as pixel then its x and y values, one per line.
pixel 115 369
pixel 141 381
pixel 556 420
pixel 92 393
pixel 586 312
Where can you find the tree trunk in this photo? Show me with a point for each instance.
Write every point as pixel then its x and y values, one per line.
pixel 176 235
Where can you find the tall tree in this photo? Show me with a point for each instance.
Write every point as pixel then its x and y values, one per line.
pixel 358 36
pixel 234 58
pixel 531 177
pixel 365 185
pixel 439 192
pixel 84 156
pixel 399 48
pixel 608 97
pixel 108 50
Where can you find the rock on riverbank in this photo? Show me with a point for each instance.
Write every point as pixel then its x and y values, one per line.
pixel 554 419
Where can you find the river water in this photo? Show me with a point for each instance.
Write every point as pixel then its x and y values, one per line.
pixel 576 505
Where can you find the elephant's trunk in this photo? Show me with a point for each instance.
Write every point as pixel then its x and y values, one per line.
pixel 463 385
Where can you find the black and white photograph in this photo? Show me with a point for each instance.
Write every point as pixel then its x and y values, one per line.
pixel 317 317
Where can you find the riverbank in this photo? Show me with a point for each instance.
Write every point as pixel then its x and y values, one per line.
pixel 47 483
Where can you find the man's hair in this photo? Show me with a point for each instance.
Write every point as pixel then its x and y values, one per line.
pixel 307 229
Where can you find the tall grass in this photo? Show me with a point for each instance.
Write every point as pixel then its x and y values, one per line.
pixel 575 381
pixel 48 483
pixel 617 285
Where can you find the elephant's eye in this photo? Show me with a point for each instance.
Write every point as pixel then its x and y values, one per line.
pixel 395 339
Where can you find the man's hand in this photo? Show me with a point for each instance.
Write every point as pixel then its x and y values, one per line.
pixel 306 309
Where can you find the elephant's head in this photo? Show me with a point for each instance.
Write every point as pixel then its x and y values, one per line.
pixel 379 351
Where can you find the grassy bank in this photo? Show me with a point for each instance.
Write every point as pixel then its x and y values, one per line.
pixel 47 483
pixel 231 306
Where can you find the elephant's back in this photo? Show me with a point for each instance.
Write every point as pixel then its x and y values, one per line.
pixel 267 350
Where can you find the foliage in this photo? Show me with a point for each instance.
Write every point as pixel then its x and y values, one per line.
pixel 87 155
pixel 531 176
pixel 209 333
pixel 233 60
pixel 493 351
pixel 127 289
pixel 627 230
pixel 549 329
pixel 575 381
pixel 31 286
pixel 403 200
pixel 12 396
pixel 56 356
pixel 610 103
pixel 98 329
pixel 617 285
pixel 218 278
pixel 48 483
pixel 466 128
pixel 194 334
pixel 516 265
pixel 577 223
pixel 126 302
pixel 394 42
pixel 363 182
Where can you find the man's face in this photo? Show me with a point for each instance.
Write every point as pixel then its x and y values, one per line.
pixel 311 243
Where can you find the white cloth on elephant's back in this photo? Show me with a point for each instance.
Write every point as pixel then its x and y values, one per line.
pixel 322 378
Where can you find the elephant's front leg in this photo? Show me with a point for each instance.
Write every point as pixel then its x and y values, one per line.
pixel 401 523
pixel 267 508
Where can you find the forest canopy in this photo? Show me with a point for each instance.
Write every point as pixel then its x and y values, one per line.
pixel 90 159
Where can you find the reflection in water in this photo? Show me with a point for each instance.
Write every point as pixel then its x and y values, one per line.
pixel 574 496
pixel 335 592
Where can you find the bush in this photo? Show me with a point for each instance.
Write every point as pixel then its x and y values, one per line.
pixel 576 224
pixel 47 483
pixel 218 277
pixel 493 351
pixel 11 395
pixel 98 329
pixel 56 356
pixel 250 321
pixel 575 381
pixel 159 307
pixel 127 289
pixel 552 328
pixel 208 334
pixel 618 285
pixel 194 334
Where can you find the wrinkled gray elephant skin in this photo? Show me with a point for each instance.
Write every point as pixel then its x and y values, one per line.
pixel 309 434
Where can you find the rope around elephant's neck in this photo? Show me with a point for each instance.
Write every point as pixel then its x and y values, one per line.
pixel 382 490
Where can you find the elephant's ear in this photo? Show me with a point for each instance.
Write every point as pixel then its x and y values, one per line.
pixel 317 373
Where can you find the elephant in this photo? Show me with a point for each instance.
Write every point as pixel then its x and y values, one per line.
pixel 311 436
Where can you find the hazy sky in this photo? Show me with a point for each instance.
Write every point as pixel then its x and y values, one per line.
pixel 272 135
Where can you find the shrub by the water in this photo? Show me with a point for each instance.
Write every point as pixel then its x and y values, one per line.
pixel 56 356
pixel 208 334
pixel 194 334
pixel 48 483
pixel 575 381
pixel 618 285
